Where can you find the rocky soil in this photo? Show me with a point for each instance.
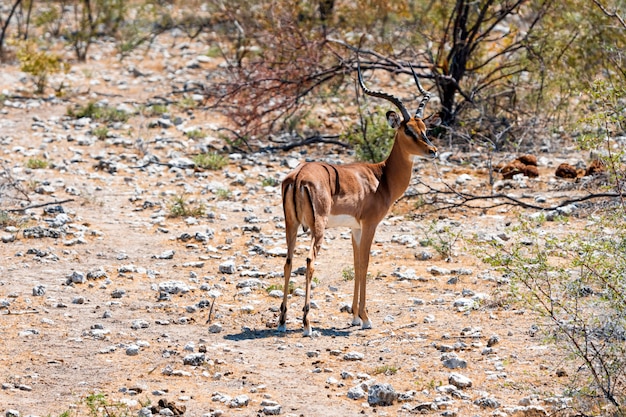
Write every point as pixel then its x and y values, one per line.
pixel 102 292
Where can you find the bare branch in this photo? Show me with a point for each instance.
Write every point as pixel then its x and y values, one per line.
pixel 612 14
pixel 466 198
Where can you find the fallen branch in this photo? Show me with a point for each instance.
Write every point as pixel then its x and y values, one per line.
pixel 331 139
pixel 467 198
pixel 19 313
pixel 23 209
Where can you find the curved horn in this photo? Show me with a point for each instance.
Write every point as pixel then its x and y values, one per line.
pixel 419 113
pixel 388 97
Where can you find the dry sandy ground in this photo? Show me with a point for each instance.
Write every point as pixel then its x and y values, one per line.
pixel 71 342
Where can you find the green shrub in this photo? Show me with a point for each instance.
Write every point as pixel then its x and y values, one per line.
pixel 35 163
pixel 371 138
pixel 195 134
pixel 212 160
pixel 179 207
pixel 100 132
pixel 39 64
pixel 269 182
pixel 102 113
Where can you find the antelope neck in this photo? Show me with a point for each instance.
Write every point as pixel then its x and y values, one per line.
pixel 397 169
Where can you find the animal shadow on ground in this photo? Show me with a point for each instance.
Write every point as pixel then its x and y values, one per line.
pixel 249 334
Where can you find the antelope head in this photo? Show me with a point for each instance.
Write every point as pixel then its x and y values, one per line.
pixel 411 131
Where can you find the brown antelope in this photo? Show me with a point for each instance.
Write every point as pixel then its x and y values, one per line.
pixel 318 195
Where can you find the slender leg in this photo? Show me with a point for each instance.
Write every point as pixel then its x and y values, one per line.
pixel 317 233
pixel 291 234
pixel 360 274
pixel 356 241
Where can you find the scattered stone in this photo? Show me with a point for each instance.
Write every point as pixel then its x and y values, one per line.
pixel 97 273
pixel 271 410
pixel 76 278
pixel 486 402
pixel 139 324
pixel 215 328
pixel 168 254
pixel 356 393
pixel 423 255
pixel 353 356
pixel 453 362
pixel 239 401
pixel 527 411
pixel 194 359
pixel 132 350
pixel 39 290
pixel 493 340
pixel 381 394
pixel 118 293
pixel 437 271
pixel 173 287
pixel 459 381
pixel 228 267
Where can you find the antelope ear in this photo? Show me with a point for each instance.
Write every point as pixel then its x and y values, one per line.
pixel 393 119
pixel 432 121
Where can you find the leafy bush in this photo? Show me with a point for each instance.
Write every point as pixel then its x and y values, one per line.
pixel 578 281
pixel 372 138
pixel 39 64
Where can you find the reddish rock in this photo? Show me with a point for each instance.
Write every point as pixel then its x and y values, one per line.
pixel 528 160
pixel 595 167
pixel 566 170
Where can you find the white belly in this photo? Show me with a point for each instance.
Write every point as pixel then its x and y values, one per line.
pixel 343 220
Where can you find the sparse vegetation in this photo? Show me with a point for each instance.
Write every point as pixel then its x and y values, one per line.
pixel 576 281
pixel 36 163
pixel 386 370
pixel 371 138
pixel 98 405
pixel 223 194
pixel 100 132
pixel 180 207
pixel 347 273
pixel 442 238
pixel 195 134
pixel 40 64
pixel 102 113
pixel 270 182
pixel 212 161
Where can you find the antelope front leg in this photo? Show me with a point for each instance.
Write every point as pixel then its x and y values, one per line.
pixel 361 263
pixel 356 243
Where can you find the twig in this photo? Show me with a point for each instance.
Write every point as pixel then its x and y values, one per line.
pixel 20 210
pixel 19 313
pixel 331 139
pixel 211 311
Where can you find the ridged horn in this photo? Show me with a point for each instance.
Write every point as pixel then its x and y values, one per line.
pixel 379 94
pixel 419 113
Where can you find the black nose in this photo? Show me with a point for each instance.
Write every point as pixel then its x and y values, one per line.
pixel 432 152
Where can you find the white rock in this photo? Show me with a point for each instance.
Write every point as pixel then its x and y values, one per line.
pixel 239 401
pixel 353 356
pixel 459 381
pixel 227 267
